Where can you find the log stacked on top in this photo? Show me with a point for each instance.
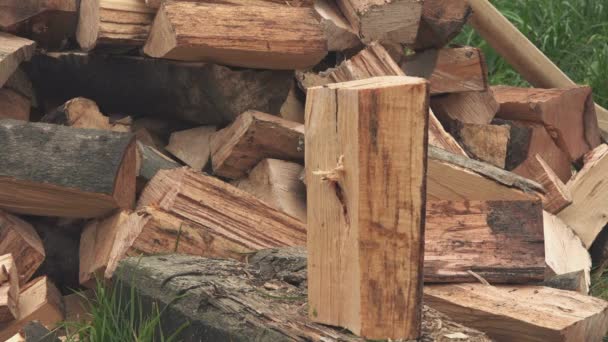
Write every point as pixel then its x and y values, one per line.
pixel 146 129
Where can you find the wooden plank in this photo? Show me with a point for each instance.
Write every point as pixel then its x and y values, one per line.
pixel 473 107
pixel 192 146
pixel 522 313
pixel 19 238
pixel 9 289
pixel 277 183
pixel 450 70
pixel 363 194
pixel 238 35
pixel 254 136
pixel 64 171
pixel 14 105
pixel 392 20
pixel 587 214
pixel 13 51
pixel 568 114
pixel 441 21
pixel 488 143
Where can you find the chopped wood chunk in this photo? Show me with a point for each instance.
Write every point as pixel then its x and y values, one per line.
pixel 192 146
pixel 19 238
pixel 252 137
pixel 265 37
pixel 557 196
pixel 366 204
pixel 13 51
pixel 573 281
pixel 52 170
pixel 9 289
pixel 81 113
pixel 441 21
pixel 14 105
pixel 488 143
pixel 293 107
pixel 340 35
pixel 472 107
pixel 522 313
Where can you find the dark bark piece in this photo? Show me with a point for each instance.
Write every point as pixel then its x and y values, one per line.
pixel 64 171
pixel 228 301
pixel 441 21
pixel 573 281
pixel 36 332
pixel 150 161
pixel 196 92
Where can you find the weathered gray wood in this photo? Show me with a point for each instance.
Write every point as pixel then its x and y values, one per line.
pixel 150 161
pixel 196 92
pixel 53 170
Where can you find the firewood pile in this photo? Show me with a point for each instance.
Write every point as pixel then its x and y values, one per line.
pixel 352 127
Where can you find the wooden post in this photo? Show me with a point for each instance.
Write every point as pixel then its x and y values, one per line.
pixel 366 164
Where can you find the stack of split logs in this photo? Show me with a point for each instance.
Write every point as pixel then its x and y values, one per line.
pixel 352 127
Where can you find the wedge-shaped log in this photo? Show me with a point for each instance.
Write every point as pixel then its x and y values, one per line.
pixel 366 192
pixel 192 146
pixel 450 70
pixel 9 289
pixel 522 313
pixel 13 51
pixel 472 107
pixel 340 35
pixel 557 196
pixel 262 37
pixel 252 137
pixel 39 301
pixel 393 20
pixel 124 23
pixel 588 214
pixel 19 238
pixel 488 143
pixel 196 92
pixel 568 114
pixel 14 105
pixel 52 170
pixel 277 183
pixel 441 21
pixel 82 113
pixel 564 250
pixel 149 162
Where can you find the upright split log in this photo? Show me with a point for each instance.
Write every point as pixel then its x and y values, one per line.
pixel 366 165
pixel 9 289
pixel 13 51
pixel 52 170
pixel 19 238
pixel 266 37
pixel 441 21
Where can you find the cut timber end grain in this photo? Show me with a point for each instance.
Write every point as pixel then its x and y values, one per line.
pixel 568 114
pixel 192 146
pixel 522 313
pixel 14 105
pixel 113 22
pixel 9 289
pixel 392 20
pixel 13 51
pixel 340 35
pixel 473 107
pixel 277 183
pixel 487 143
pixel 441 21
pixel 80 113
pixel 246 36
pixel 564 251
pixel 19 238
pixel 588 214
pixel 39 301
pixel 450 70
pixel 363 194
pixel 52 170
pixel 557 195
pixel 252 137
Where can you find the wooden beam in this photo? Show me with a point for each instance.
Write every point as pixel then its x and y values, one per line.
pixel 238 35
pixel 52 170
pixel 14 105
pixel 19 238
pixel 522 313
pixel 441 21
pixel 568 114
pixel 392 20
pixel 488 143
pixel 587 214
pixel 277 183
pixel 13 51
pixel 192 146
pixel 252 137
pixel 9 289
pixel 450 70
pixel 359 187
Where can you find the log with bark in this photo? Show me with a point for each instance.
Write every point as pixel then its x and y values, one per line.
pixel 19 238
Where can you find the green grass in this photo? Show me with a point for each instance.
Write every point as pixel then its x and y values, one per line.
pixel 572 33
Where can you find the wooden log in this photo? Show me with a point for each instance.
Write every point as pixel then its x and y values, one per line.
pixel 254 136
pixel 473 107
pixel 192 146
pixel 568 114
pixel 488 143
pixel 340 35
pixel 19 238
pixel 450 70
pixel 9 289
pixel 557 196
pixel 587 214
pixel 441 21
pixel 13 51
pixel 237 35
pixel 277 183
pixel 14 105
pixel 51 170
pixel 358 189
pixel 81 113
pixel 573 281
pixel 206 94
pixel 564 250
pixel 522 313
pixel 394 20
pixel 113 22
pixel 39 301
pixel 148 162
